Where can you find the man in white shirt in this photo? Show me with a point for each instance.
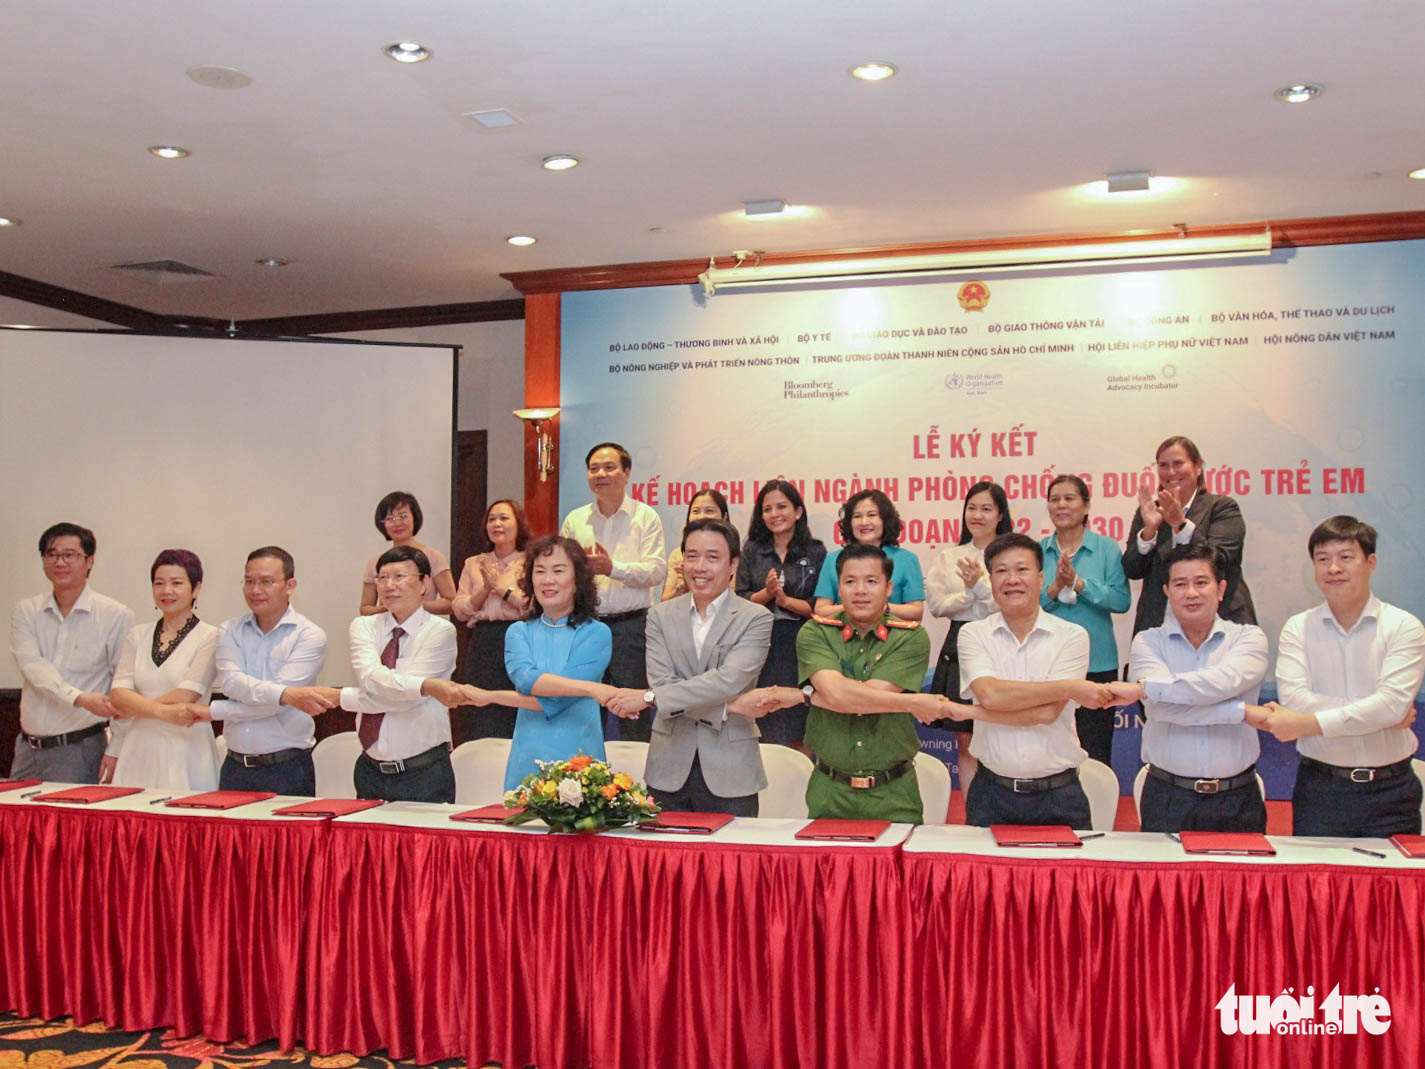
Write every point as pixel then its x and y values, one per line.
pixel 268 660
pixel 1197 676
pixel 1025 670
pixel 66 644
pixel 403 658
pixel 705 652
pixel 623 539
pixel 1348 673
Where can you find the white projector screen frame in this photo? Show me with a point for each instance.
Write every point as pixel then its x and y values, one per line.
pixel 220 445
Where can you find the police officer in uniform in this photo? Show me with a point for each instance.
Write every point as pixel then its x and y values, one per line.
pixel 865 668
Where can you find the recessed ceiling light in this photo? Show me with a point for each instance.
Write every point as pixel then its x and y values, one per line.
pixel 560 161
pixel 873 72
pixel 168 152
pixel 1128 181
pixel 1419 172
pixel 494 118
pixel 764 207
pixel 274 261
pixel 521 239
pixel 6 221
pixel 212 76
pixel 1298 94
pixel 407 52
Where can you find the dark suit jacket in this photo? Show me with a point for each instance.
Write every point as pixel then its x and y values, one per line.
pixel 1217 521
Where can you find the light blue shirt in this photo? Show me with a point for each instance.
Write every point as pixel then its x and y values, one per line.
pixel 562 727
pixel 1099 563
pixel 906 581
pixel 253 671
pixel 1194 698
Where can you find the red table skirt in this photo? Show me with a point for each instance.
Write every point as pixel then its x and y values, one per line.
pixel 1025 963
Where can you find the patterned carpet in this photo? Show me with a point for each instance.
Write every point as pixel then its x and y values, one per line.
pixel 35 1044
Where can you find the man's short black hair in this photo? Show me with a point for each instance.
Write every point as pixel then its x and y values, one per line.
pixel 61 530
pixel 1342 529
pixel 861 551
pixel 624 458
pixel 396 554
pixel 1199 551
pixel 289 566
pixel 727 531
pixel 1013 540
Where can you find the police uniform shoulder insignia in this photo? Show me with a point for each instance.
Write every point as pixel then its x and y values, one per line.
pixel 904 625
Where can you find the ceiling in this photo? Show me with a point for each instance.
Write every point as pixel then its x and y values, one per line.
pixel 366 175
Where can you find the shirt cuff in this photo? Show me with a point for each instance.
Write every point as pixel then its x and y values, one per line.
pixel 349 697
pixel 1184 536
pixel 1068 596
pixel 617 572
pixel 1144 548
pixel 71 693
pixel 218 710
pixel 1333 724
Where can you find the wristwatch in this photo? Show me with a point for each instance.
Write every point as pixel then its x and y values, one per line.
pixel 807 691
pixel 649 696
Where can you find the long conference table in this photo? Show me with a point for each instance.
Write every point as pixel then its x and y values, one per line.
pixel 397 929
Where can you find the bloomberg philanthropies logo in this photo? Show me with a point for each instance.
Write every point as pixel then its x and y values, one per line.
pixel 1286 1015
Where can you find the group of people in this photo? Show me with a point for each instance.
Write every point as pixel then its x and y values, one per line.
pixel 767 639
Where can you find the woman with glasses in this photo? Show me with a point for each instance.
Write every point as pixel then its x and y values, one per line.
pixel 165 669
pixel 399 519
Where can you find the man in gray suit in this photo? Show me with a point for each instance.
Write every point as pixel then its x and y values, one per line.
pixel 705 651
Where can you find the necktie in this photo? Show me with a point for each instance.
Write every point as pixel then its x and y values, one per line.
pixel 371 722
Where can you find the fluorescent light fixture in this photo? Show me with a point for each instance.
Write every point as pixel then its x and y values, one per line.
pixel 1156 250
pixel 1298 94
pixel 407 52
pixel 560 161
pixel 764 207
pixel 1419 172
pixel 875 71
pixel 273 261
pixel 6 221
pixel 168 152
pixel 1128 181
pixel 494 118
pixel 520 240
pixel 213 76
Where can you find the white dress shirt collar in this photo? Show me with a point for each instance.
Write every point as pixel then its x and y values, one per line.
pixel 83 603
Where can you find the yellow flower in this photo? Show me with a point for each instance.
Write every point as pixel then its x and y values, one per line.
pixel 636 797
pixel 623 779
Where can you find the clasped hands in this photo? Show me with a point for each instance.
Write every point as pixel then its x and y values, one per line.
pixel 1157 508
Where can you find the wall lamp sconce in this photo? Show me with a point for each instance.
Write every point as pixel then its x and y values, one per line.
pixel 544 450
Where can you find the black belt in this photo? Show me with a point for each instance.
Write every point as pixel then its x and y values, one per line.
pixel 1205 786
pixel 620 617
pixel 69 738
pixel 436 753
pixel 276 757
pixel 865 780
pixel 1360 775
pixel 1032 784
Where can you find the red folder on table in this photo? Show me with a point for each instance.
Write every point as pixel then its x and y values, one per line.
pixel 328 807
pixel 87 795
pixel 220 799
pixel 856 831
pixel 1226 842
pixel 686 823
pixel 18 784
pixel 1409 845
pixel 487 814
pixel 1034 835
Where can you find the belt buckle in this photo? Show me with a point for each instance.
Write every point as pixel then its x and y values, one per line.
pixel 390 768
pixel 862 783
pixel 1207 786
pixel 36 743
pixel 1030 786
pixel 248 760
pixel 1368 776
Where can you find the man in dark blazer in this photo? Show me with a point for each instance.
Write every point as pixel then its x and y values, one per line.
pixel 705 651
pixel 1181 511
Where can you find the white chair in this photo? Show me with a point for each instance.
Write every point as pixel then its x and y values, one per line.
pixel 335 757
pixel 1101 787
pixel 1142 777
pixel 933 778
pixel 222 744
pixel 630 757
pixel 480 771
pixel 787 773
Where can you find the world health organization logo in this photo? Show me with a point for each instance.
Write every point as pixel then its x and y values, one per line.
pixel 953 382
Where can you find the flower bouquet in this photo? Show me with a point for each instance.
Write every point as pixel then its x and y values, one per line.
pixel 579 794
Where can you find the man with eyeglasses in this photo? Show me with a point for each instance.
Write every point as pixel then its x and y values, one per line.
pixel 66 644
pixel 268 660
pixel 403 658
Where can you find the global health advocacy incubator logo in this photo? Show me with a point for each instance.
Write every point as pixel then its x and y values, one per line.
pixel 1286 1015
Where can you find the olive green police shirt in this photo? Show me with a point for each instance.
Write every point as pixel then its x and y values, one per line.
pixel 896 651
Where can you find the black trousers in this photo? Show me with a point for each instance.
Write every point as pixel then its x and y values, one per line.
pixel 1323 804
pixel 1167 807
pixel 989 802
pixel 628 667
pixel 484 667
pixel 1096 725
pixel 433 783
pixel 695 797
pixel 297 776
